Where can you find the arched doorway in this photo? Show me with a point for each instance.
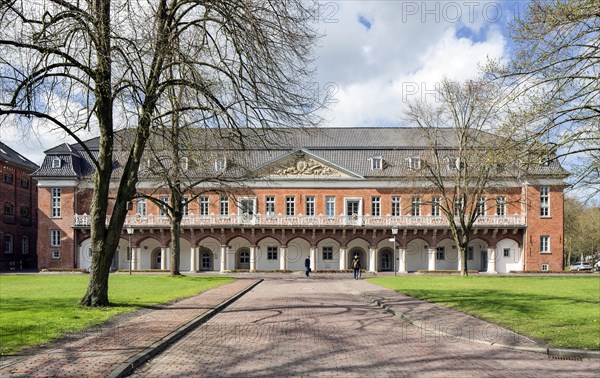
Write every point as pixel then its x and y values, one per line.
pixel 362 256
pixel 386 262
pixel 206 259
pixel 242 259
pixel 155 259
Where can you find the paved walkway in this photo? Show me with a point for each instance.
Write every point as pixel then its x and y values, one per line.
pixel 294 326
pixel 100 351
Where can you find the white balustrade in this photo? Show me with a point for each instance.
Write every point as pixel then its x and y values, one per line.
pixel 84 220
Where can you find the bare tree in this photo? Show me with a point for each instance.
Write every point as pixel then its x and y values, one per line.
pixel 466 165
pixel 554 81
pixel 101 65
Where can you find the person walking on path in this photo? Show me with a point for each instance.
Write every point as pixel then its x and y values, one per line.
pixel 307 266
pixel 356 266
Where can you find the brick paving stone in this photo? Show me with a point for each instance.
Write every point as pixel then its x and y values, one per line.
pixel 293 326
pixel 100 351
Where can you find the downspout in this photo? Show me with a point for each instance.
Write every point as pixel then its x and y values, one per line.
pixel 74 229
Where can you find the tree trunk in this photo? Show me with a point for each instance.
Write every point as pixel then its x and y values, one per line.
pixel 96 294
pixel 175 244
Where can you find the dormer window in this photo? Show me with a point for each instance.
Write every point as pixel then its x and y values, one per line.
pixel 56 162
pixel 184 163
pixel 221 165
pixel 376 162
pixel 413 163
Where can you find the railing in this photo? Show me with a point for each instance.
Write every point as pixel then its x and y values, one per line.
pixel 279 220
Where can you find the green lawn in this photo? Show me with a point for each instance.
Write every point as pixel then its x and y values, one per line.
pixel 37 308
pixel 561 311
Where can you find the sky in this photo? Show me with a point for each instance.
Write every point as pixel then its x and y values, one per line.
pixel 373 58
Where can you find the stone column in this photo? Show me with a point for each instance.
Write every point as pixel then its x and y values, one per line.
pixel 313 258
pixel 431 259
pixel 163 258
pixel 282 258
pixel 223 258
pixel 253 258
pixel 135 258
pixel 343 256
pixel 193 254
pixel 402 261
pixel 491 256
pixel 372 259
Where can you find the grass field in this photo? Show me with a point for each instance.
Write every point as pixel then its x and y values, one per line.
pixel 35 309
pixel 561 311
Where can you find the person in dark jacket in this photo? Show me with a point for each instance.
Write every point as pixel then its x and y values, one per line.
pixel 356 266
pixel 307 266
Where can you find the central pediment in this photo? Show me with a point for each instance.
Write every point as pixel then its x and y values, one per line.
pixel 302 164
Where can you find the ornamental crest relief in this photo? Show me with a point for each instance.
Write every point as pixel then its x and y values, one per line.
pixel 300 165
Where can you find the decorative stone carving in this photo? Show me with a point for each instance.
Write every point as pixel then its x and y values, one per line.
pixel 303 166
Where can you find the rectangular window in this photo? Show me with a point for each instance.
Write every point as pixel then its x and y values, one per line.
pixel 204 206
pixel 506 252
pixel 290 206
pixel 55 202
pixel 163 208
pixel 415 206
pixel 24 182
pixel 310 206
pixel 545 201
pixel 544 267
pixel 396 207
pixel 501 206
pixel 25 245
pixel 470 254
pixel 440 253
pixel 330 206
pixel 142 209
pixel 24 211
pixel 481 207
pixel 185 208
pixel 376 206
pixel 8 208
pixel 56 255
pixel 8 178
pixel 376 162
pixel 55 238
pixel 224 206
pixel 435 206
pixel 544 244
pixel 8 243
pixel 270 206
pixel 327 253
pixel 413 163
pixel 272 253
pixel 459 205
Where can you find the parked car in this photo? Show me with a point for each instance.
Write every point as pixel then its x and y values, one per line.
pixel 580 266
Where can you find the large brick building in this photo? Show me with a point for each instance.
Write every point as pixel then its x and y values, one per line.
pixel 329 195
pixel 18 197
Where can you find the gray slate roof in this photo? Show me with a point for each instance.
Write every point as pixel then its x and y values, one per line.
pixel 11 156
pixel 348 148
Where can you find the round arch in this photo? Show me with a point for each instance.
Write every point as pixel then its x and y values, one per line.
pixel 417 254
pixel 362 256
pixel 242 258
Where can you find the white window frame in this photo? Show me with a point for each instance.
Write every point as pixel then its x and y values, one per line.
pixel 545 268
pixel 330 206
pixel 55 255
pixel 376 163
pixel 376 206
pixel 544 244
pixel 204 202
pixel 163 208
pixel 440 253
pixel 506 252
pixel 459 205
pixel 9 242
pixel 545 201
pixel 25 245
pixel 56 162
pixel 184 163
pixel 435 206
pixel 396 206
pixel 270 206
pixel 501 206
pixel 241 208
pixel 224 206
pixel 481 207
pixel 413 163
pixel 415 206
pixel 141 207
pixel 55 202
pixel 55 238
pixel 290 206
pixel 185 207
pixel 311 203
pixel 221 165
